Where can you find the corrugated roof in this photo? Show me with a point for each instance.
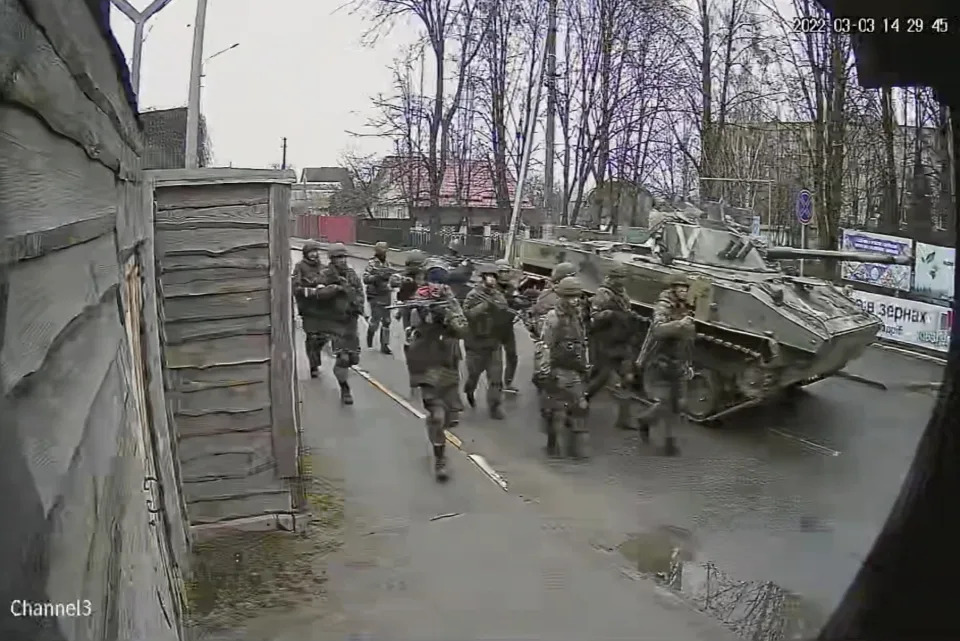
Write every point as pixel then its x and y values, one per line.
pixel 466 183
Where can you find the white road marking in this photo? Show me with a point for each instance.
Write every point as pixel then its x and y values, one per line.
pixel 816 447
pixel 477 460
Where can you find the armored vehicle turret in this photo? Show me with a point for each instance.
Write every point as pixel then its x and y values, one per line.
pixel 759 331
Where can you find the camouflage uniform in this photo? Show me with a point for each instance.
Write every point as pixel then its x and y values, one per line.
pixel 484 308
pixel 377 278
pixel 434 337
pixel 563 369
pixel 341 295
pixel 306 277
pixel 613 329
pixel 672 332
pixel 460 272
pixel 517 303
pixel 546 301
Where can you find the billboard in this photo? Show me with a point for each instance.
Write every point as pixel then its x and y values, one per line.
pixel 933 272
pixel 892 276
pixel 908 321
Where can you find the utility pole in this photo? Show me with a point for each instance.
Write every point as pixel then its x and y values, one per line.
pixel 193 101
pixel 549 142
pixel 283 163
pixel 139 20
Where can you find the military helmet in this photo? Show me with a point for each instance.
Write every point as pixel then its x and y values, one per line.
pixel 381 247
pixel 309 246
pixel 416 258
pixel 617 271
pixel 678 280
pixel 569 286
pixel 337 250
pixel 562 270
pixel 503 266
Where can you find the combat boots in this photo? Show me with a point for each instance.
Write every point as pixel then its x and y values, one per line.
pixel 440 463
pixel 314 372
pixel 370 334
pixel 345 396
pixel 496 412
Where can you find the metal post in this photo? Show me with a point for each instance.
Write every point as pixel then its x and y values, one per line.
pixel 283 163
pixel 193 101
pixel 525 161
pixel 803 244
pixel 139 19
pixel 550 126
pixel 137 56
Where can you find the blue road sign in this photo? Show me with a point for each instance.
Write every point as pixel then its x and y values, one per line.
pixel 804 207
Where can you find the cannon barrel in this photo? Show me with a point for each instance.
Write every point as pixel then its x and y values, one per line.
pixel 790 253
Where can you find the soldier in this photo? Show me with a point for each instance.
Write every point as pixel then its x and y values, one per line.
pixel 517 303
pixel 461 271
pixel 562 370
pixel 672 332
pixel 377 278
pixel 341 295
pixel 407 284
pixel 306 277
pixel 613 328
pixel 485 308
pixel 546 301
pixel 435 330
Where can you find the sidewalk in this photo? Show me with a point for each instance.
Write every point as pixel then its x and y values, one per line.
pixel 464 560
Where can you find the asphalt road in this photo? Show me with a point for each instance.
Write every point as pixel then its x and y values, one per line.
pixel 778 507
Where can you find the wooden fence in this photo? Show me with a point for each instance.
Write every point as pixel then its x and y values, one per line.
pixel 223 244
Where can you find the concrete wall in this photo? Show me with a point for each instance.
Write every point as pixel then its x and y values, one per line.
pixel 88 484
pixel 223 244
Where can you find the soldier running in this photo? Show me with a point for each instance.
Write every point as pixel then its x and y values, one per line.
pixel 436 327
pixel 341 296
pixel 407 284
pixel 485 308
pixel 671 335
pixel 563 369
pixel 377 277
pixel 306 277
pixel 613 328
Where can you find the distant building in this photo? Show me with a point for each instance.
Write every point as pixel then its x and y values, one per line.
pixel 467 195
pixel 165 139
pixel 312 194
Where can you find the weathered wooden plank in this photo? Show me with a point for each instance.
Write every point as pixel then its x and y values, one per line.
pixel 48 181
pixel 213 274
pixel 210 287
pixel 264 481
pixel 48 410
pixel 188 380
pixel 229 455
pixel 172 197
pixel 33 75
pixel 132 218
pixel 223 423
pixel 78 41
pixel 209 242
pixel 41 243
pixel 282 365
pixel 240 259
pixel 214 217
pixel 235 398
pixel 203 512
pixel 45 295
pixel 223 176
pixel 185 331
pixel 218 351
pixel 242 305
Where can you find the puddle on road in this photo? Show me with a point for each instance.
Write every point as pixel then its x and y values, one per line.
pixel 755 610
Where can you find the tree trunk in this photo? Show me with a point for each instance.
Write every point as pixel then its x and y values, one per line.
pixel 889 213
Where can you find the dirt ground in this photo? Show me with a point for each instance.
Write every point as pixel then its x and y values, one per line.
pixel 255 574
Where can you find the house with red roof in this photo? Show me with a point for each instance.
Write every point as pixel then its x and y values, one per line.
pixel 468 195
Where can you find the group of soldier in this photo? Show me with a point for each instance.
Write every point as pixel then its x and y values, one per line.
pixel 582 343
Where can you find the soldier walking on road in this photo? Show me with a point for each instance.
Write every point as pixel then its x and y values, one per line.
pixel 377 278
pixel 517 303
pixel 563 369
pixel 613 326
pixel 407 284
pixel 671 336
pixel 306 277
pixel 485 308
pixel 341 296
pixel 436 327
pixel 546 301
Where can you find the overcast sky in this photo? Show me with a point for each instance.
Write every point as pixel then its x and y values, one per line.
pixel 299 71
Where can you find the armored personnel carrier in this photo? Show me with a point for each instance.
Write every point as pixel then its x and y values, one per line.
pixel 760 332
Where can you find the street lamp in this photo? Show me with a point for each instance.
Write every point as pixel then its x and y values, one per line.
pixel 225 50
pixel 193 99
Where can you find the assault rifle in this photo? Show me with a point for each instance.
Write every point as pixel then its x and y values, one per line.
pixel 410 304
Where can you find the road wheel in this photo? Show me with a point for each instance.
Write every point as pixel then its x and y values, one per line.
pixel 702 394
